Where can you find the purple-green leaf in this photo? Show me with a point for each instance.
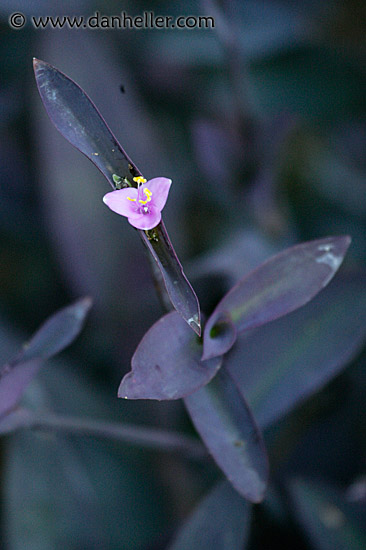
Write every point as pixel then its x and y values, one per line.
pixel 167 363
pixel 220 522
pixel 51 338
pixel 284 283
pixel 79 121
pixel 226 425
pixel 280 364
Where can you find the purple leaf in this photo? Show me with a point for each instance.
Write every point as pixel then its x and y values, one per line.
pixel 53 336
pixel 220 521
pixel 226 426
pixel 167 363
pixel 14 381
pixel 282 284
pixel 280 364
pixel 78 120
pixel 57 332
pixel 179 289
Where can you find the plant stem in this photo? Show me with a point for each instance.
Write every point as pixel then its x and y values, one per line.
pixel 148 438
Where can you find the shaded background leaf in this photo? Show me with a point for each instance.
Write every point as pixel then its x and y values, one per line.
pixel 51 478
pixel 13 384
pixel 219 522
pixel 279 365
pixel 57 332
pixel 325 519
pixel 52 337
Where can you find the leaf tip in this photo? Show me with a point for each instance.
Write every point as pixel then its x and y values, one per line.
pixel 126 387
pixel 86 302
pixel 343 241
pixel 348 241
pixel 37 64
pixel 195 324
pixel 81 307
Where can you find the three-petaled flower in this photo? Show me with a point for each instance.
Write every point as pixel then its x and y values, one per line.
pixel 142 206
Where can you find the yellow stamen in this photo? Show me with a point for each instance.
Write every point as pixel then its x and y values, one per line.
pixel 148 194
pixel 139 179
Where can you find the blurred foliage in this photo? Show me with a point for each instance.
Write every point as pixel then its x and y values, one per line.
pixel 261 125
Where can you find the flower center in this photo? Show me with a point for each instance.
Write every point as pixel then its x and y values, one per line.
pixel 141 202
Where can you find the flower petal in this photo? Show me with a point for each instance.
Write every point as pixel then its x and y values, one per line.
pixel 147 220
pixel 159 188
pixel 119 203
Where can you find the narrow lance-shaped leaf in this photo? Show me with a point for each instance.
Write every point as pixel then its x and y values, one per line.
pixel 220 522
pixel 280 364
pixel 167 363
pixel 51 338
pixel 79 121
pixel 179 289
pixel 284 283
pixel 226 426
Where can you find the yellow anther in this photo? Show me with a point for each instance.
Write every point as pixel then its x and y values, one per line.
pixel 132 200
pixel 139 179
pixel 148 194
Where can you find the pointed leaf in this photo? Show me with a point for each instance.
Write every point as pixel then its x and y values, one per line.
pixel 53 336
pixel 57 332
pixel 280 364
pixel 79 121
pixel 282 284
pixel 167 363
pixel 220 522
pixel 226 425
pixel 325 518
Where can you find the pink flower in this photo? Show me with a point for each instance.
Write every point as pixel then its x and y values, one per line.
pixel 142 206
